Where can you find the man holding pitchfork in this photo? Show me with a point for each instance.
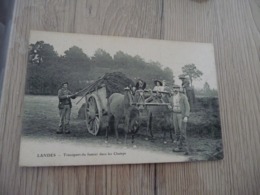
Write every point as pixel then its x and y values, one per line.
pixel 65 105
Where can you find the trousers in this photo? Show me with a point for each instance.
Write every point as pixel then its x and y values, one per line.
pixel 180 127
pixel 64 118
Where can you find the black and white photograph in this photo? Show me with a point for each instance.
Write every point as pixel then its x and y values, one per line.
pixel 97 100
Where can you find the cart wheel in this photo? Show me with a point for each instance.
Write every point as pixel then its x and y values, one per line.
pixel 93 115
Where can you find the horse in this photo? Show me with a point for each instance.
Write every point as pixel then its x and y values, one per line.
pixel 120 108
pixel 163 117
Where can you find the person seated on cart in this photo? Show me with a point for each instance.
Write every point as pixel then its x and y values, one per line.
pixel 155 95
pixel 158 86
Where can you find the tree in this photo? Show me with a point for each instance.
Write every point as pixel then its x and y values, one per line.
pixel 168 74
pixel 123 60
pixel 208 91
pixel 78 69
pixel 206 87
pixel 102 58
pixel 191 71
pixel 75 58
pixel 39 73
pixel 76 66
pixel 75 53
pixel 42 53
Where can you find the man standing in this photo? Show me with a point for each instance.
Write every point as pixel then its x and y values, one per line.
pixel 65 105
pixel 188 90
pixel 181 112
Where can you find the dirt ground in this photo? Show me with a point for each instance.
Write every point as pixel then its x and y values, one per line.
pixel 41 120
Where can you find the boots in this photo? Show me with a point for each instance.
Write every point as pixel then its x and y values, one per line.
pixel 60 130
pixel 67 129
pixel 182 146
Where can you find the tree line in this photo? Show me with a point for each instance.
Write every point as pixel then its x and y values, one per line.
pixel 47 69
pixel 206 91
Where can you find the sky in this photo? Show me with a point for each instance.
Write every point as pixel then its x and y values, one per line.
pixel 170 54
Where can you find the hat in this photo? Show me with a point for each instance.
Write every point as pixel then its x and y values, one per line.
pixel 187 80
pixel 182 76
pixel 160 82
pixel 176 86
pixel 64 83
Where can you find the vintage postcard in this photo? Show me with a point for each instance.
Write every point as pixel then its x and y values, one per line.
pixel 98 100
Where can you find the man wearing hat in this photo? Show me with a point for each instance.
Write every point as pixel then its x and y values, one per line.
pixel 65 105
pixel 140 85
pixel 185 82
pixel 138 90
pixel 188 90
pixel 181 112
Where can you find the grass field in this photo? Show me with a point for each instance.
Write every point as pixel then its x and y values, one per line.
pixel 41 119
pixel 41 115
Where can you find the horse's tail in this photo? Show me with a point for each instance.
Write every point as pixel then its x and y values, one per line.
pixel 110 115
pixel 109 100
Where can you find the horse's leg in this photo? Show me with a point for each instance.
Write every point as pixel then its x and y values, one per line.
pixel 125 138
pixel 150 120
pixel 171 134
pixel 126 126
pixel 148 127
pixel 107 134
pixel 133 139
pixel 132 130
pixel 164 135
pixel 116 128
pixel 109 126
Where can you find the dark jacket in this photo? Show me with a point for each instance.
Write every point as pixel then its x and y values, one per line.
pixel 63 99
